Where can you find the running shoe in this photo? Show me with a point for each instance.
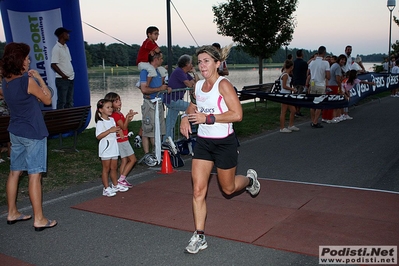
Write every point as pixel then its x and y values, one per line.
pixel 293 128
pixel 137 141
pixel 255 188
pixel 125 183
pixel 109 192
pixel 318 125
pixel 285 130
pixel 172 145
pixel 197 242
pixel 119 188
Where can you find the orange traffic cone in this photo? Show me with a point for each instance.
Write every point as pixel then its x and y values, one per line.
pixel 167 167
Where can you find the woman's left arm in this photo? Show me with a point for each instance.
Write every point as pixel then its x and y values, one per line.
pixel 41 91
pixel 234 113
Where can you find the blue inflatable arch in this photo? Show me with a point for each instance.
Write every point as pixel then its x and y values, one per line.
pixel 33 22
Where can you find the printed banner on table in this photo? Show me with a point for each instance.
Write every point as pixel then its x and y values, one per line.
pixel 383 82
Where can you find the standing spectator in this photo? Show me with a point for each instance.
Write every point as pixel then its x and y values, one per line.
pixel 358 65
pixel 285 80
pixel 395 70
pixel 126 152
pixel 150 92
pixel 223 70
pixel 299 76
pixel 28 132
pixel 108 149
pixel 385 64
pixel 349 61
pixel 179 79
pixel 334 86
pixel 217 107
pixel 348 84
pixel 64 75
pixel 319 71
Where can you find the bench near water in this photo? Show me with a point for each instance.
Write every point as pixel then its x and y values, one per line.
pixel 58 122
pixel 266 87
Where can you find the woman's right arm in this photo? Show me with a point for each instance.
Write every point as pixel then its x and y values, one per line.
pixel 185 126
pixel 107 132
pixel 41 91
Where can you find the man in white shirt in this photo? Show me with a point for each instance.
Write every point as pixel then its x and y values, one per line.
pixel 319 71
pixel 64 74
pixel 348 51
pixel 358 65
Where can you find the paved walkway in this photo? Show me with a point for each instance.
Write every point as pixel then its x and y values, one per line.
pixel 317 184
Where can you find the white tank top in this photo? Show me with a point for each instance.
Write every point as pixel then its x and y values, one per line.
pixel 212 102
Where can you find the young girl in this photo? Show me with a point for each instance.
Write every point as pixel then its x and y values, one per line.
pixel 285 81
pixel 128 159
pixel 108 149
pixel 347 85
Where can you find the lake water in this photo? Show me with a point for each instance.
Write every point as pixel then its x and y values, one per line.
pixel 124 85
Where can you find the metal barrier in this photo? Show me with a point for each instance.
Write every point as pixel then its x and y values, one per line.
pixel 176 104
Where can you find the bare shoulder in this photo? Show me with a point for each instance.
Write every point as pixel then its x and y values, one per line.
pixel 225 85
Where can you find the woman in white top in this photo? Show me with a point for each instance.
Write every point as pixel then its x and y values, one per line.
pixel 285 81
pixel 215 109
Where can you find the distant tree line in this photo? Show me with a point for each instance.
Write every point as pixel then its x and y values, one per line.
pixel 124 55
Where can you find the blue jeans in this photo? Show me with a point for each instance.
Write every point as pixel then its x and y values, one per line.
pixel 174 107
pixel 28 154
pixel 64 93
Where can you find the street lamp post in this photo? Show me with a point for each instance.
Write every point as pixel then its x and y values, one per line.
pixel 391 6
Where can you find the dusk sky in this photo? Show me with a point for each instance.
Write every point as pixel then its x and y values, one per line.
pixel 334 24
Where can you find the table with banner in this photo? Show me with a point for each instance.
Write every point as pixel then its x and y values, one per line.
pixel 383 82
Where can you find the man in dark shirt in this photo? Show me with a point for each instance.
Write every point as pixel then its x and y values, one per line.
pixel 299 76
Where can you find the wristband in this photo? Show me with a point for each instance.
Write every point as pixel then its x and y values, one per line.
pixel 183 116
pixel 210 119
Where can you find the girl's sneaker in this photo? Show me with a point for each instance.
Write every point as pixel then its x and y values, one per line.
pixel 125 183
pixel 119 188
pixel 109 192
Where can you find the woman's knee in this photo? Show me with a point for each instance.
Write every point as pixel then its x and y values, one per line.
pixel 199 192
pixel 228 190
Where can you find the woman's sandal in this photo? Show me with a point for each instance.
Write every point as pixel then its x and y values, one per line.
pixel 48 225
pixel 21 218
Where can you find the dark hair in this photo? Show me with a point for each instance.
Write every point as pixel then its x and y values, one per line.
pixel 112 96
pixel 217 45
pixel 100 105
pixel 288 63
pixel 152 57
pixel 289 56
pixel 322 50
pixel 184 60
pixel 210 50
pixel 352 76
pixel 342 56
pixel 13 59
pixel 299 53
pixel 151 29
